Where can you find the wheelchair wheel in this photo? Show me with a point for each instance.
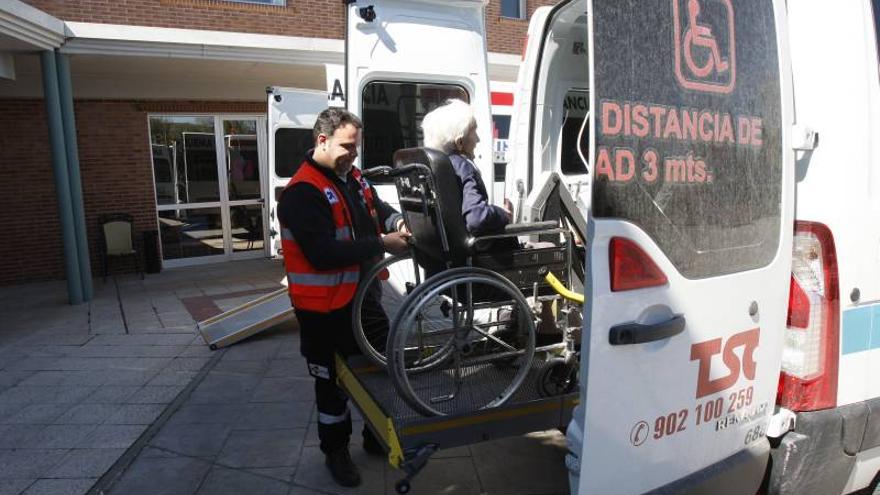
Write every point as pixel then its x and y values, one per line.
pixel 379 296
pixel 457 311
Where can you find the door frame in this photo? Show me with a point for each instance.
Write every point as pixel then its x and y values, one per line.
pixel 224 204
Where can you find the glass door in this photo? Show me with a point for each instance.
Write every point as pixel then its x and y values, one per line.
pixel 243 153
pixel 207 175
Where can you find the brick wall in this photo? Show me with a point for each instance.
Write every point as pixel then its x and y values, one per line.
pixel 117 176
pixel 506 35
pixel 308 18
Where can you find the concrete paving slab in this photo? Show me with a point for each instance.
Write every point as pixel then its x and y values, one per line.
pixel 155 394
pixel 87 414
pixel 197 440
pixel 18 436
pixel 130 377
pixel 208 414
pixel 453 476
pixel 262 448
pixel 251 367
pixel 37 414
pixel 282 389
pixel 284 474
pixel 162 476
pixel 60 436
pixel 172 378
pixel 313 474
pixel 225 389
pixel 112 394
pixel 85 463
pixel 286 414
pixel 60 487
pixel 224 481
pixel 112 437
pixel 135 414
pixel 29 463
pixel 508 465
pixel 14 487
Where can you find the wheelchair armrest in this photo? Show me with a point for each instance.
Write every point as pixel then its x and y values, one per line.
pixel 518 229
pixel 530 228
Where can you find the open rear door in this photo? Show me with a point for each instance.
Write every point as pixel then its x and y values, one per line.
pixel 689 255
pixel 404 58
pixel 292 114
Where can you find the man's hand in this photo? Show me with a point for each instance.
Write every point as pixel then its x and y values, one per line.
pixel 395 242
pixel 508 207
pixel 401 227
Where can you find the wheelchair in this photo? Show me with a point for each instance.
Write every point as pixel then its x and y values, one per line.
pixel 455 320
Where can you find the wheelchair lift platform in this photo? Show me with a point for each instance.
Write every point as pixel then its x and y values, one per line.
pixel 248 319
pixel 411 438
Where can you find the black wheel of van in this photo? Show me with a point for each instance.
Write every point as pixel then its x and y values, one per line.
pixel 456 308
pixel 379 297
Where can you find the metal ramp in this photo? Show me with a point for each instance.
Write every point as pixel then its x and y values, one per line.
pixel 248 319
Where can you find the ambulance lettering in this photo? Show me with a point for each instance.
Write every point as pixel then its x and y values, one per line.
pixel 705 351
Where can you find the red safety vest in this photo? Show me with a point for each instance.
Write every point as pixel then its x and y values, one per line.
pixel 323 290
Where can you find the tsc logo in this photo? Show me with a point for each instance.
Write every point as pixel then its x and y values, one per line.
pixel 705 351
pixel 705 45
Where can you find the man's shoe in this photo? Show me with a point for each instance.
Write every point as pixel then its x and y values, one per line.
pixel 342 468
pixel 372 445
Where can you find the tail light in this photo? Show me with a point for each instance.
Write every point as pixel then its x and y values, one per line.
pixel 632 268
pixel 810 352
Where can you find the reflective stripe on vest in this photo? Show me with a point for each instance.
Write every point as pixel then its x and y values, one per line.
pixel 322 279
pixel 323 290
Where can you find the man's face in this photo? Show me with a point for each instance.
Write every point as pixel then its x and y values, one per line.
pixel 339 150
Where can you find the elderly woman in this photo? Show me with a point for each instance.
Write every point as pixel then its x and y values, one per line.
pixel 452 129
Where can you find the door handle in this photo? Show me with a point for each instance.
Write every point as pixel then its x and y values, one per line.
pixel 638 333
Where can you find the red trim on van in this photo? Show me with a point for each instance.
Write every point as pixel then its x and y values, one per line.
pixel 502 99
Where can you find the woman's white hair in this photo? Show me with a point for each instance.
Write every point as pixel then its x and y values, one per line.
pixel 446 124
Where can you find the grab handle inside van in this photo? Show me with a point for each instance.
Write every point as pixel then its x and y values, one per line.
pixel 638 333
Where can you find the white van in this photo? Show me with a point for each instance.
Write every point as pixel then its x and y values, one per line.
pixel 826 435
pixel 688 246
pixel 682 164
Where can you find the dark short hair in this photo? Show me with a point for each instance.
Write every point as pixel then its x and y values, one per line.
pixel 333 118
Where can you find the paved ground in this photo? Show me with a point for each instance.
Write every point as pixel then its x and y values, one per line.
pixel 122 396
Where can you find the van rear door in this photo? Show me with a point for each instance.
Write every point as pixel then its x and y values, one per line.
pixel 292 114
pixel 690 185
pixel 404 58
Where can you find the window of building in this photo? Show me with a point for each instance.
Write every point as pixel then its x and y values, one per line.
pixel 392 115
pixel 514 9
pixel 281 3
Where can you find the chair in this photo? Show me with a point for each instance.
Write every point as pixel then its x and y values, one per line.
pixel 117 240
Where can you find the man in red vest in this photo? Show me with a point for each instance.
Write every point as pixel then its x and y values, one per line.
pixel 333 229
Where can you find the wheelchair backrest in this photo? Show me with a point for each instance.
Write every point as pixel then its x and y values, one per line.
pixel 431 203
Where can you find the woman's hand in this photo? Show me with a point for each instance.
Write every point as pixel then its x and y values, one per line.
pixel 508 208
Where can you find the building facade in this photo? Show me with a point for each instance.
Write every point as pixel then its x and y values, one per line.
pixel 165 94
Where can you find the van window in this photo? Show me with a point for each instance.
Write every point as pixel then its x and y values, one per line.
pixel 575 109
pixel 392 115
pixel 693 157
pixel 291 146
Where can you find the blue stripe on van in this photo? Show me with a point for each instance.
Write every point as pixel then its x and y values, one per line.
pixel 861 329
